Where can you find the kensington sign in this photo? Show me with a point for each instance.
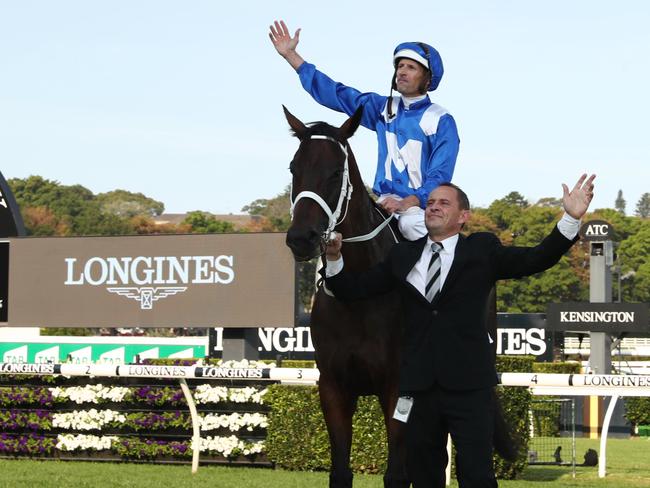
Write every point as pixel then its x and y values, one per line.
pixel 598 317
pixel 206 280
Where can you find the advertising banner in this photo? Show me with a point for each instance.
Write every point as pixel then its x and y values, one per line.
pixel 207 280
pixel 598 317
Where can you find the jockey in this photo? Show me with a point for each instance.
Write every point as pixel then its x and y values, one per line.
pixel 417 139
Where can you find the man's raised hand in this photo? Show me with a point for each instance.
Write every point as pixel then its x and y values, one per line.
pixel 576 202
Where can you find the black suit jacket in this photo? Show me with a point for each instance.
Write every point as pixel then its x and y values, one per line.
pixel 446 342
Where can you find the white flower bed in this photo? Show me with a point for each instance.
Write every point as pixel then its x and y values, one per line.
pixel 82 420
pixel 97 419
pixel 234 421
pixel 226 445
pixel 86 419
pixel 222 445
pixel 91 393
pixel 215 394
pixel 202 394
pixel 72 442
pixel 243 364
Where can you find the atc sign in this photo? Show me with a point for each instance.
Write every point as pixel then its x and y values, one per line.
pixel 597 230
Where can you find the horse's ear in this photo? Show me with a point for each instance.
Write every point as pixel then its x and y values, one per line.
pixel 350 126
pixel 298 128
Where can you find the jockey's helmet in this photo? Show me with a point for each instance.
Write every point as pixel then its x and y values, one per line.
pixel 424 54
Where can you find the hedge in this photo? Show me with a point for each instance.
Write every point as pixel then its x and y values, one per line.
pixel 568 367
pixel 297 437
pixel 637 410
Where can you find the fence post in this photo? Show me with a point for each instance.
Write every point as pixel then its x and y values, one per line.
pixel 196 429
pixel 602 460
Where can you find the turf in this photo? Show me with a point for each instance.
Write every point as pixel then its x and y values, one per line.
pixel 628 466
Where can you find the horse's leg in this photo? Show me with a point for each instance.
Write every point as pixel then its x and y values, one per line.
pixel 395 476
pixel 338 408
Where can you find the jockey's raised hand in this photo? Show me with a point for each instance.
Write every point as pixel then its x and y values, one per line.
pixel 284 44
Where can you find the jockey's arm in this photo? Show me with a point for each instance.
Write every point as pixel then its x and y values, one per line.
pixel 393 205
pixel 408 202
pixel 442 160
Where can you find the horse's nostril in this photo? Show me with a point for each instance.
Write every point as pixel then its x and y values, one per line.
pixel 303 242
pixel 304 235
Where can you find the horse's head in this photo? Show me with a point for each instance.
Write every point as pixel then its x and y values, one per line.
pixel 320 188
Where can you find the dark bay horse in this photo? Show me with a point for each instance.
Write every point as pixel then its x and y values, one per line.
pixel 357 344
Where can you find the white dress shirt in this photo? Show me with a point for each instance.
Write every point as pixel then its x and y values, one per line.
pixel 418 274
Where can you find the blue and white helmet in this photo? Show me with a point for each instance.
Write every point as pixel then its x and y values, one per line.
pixel 424 54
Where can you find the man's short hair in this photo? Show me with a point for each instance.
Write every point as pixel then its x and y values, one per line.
pixel 463 201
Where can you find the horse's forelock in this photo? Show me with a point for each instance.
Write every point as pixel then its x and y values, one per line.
pixel 322 129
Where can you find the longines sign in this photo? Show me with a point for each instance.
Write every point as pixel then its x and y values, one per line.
pixel 226 280
pixel 598 317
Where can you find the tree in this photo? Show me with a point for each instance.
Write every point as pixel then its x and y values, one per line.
pixel 205 223
pixel 504 211
pixel 532 224
pixel 560 283
pixel 36 191
pixel 533 293
pixel 144 225
pixel 41 221
pixel 619 204
pixel 75 206
pixel 641 284
pixel 276 210
pixel 633 255
pixel 549 202
pixel 643 206
pixel 127 204
pixel 634 250
pixel 480 221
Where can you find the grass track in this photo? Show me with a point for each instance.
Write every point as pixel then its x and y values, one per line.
pixel 628 467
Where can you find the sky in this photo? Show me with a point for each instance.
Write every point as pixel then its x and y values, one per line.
pixel 182 101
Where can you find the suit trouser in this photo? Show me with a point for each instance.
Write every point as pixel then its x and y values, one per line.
pixel 469 417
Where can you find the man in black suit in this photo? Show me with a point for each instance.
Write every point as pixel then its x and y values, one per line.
pixel 447 373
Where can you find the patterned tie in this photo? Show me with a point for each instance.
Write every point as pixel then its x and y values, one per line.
pixel 433 273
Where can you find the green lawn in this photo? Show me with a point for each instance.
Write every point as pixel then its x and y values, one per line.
pixel 628 466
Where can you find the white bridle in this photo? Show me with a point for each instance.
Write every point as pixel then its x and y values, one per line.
pixel 345 194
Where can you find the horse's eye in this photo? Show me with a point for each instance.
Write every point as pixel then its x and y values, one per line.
pixel 336 174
